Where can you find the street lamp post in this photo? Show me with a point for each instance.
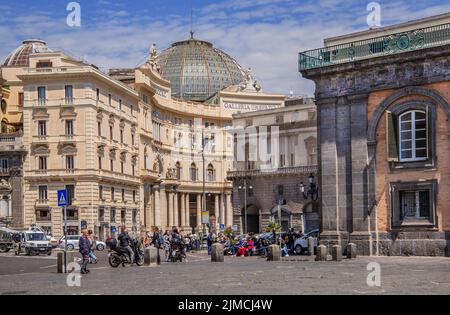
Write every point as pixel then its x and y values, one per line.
pixel 245 187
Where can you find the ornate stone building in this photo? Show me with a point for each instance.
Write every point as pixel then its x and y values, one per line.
pixel 384 137
pixel 265 183
pixel 132 147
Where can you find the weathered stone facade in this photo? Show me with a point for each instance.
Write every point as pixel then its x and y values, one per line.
pixel 358 181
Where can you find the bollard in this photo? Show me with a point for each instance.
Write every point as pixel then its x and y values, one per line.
pixel 336 253
pixel 310 246
pixel 60 260
pixel 217 252
pixel 274 253
pixel 321 253
pixel 150 256
pixel 351 251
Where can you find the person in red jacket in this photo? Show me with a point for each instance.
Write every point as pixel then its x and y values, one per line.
pixel 250 250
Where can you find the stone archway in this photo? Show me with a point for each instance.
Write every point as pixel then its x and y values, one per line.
pixel 253 218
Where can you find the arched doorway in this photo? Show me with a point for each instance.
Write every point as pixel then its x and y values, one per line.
pixel 311 218
pixel 286 216
pixel 252 215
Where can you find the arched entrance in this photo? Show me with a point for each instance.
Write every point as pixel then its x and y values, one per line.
pixel 311 218
pixel 252 215
pixel 286 216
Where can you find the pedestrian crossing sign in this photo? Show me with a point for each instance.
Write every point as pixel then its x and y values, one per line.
pixel 62 198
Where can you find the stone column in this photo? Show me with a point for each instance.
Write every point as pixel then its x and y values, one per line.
pixel 182 209
pixel 222 208
pixel 229 211
pixel 199 210
pixel 170 210
pixel 157 206
pixel 216 208
pixel 163 207
pixel 187 214
pixel 176 214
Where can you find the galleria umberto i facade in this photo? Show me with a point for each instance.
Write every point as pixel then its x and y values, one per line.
pixel 126 145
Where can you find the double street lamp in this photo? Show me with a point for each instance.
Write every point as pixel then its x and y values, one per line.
pixel 245 186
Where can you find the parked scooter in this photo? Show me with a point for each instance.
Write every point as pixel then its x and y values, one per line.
pixel 119 255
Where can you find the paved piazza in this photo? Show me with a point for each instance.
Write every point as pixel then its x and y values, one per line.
pixel 236 276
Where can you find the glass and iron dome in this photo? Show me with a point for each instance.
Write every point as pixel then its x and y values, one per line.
pixel 197 70
pixel 20 57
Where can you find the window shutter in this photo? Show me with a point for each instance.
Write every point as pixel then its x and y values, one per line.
pixel 391 138
pixel 427 115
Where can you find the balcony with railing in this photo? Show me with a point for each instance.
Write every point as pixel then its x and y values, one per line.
pixel 292 170
pixel 11 141
pixel 397 43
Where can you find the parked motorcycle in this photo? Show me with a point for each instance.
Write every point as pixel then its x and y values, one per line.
pixel 119 255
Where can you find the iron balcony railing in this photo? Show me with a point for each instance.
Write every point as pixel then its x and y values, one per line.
pixel 292 170
pixel 378 46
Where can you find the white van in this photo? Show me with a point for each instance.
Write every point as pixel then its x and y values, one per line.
pixel 34 243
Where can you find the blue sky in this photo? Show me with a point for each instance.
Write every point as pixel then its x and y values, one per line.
pixel 265 35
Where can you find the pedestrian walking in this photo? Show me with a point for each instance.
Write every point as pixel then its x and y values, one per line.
pixel 158 242
pixel 93 246
pixel 84 249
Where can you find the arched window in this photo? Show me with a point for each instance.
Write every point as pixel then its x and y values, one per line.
pixel 413 136
pixel 178 170
pixel 193 172
pixel 211 176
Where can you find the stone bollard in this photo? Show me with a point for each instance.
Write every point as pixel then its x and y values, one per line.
pixel 321 253
pixel 60 260
pixel 336 253
pixel 310 246
pixel 217 252
pixel 150 256
pixel 274 253
pixel 351 251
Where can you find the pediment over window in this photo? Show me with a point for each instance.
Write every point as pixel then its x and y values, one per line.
pixel 40 113
pixel 100 115
pixel 122 123
pixel 40 149
pixel 67 149
pixel 101 150
pixel 68 111
pixel 112 153
pixel 123 156
pixel 112 120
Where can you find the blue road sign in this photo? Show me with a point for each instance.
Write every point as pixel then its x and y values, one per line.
pixel 222 226
pixel 62 198
pixel 113 229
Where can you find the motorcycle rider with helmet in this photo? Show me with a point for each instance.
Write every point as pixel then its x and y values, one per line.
pixel 125 242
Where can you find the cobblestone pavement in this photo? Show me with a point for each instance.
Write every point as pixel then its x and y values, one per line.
pixel 242 276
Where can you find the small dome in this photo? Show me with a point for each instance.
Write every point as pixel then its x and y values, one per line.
pixel 21 56
pixel 197 70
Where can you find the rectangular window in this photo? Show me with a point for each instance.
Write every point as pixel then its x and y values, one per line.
pixel 112 194
pixel 42 128
pixel 70 194
pixel 292 160
pixel 134 217
pixel 280 190
pixel 100 192
pixel 123 195
pixel 69 94
pixel 99 128
pixel 120 104
pixel 42 163
pixel 42 194
pixel 111 164
pixel 121 135
pixel 43 64
pixel 132 139
pixel 70 162
pixel 101 214
pixel 112 215
pixel 111 133
pixel 97 93
pixel 109 99
pixel 132 169
pixel 134 195
pixel 4 166
pixel 145 98
pixel 69 127
pixel 20 99
pixel 99 162
pixel 42 99
pixel 413 203
pixel 121 167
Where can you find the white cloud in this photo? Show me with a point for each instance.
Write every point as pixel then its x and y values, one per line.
pixel 266 35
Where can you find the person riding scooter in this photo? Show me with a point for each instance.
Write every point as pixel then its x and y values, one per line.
pixel 125 242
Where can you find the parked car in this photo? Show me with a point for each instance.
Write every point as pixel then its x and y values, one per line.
pixel 6 241
pixel 72 243
pixel 301 243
